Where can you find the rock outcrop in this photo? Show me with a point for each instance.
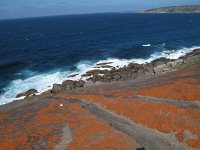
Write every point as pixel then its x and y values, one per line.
pixel 57 88
pixel 70 84
pixel 27 93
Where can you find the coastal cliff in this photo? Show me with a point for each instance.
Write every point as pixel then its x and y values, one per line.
pixel 153 106
pixel 174 9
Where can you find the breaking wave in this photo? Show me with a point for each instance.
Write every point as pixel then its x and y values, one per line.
pixel 44 82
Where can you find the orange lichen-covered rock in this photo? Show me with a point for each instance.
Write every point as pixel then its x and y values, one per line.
pixel 187 74
pixel 56 125
pixel 163 117
pixel 117 93
pixel 183 89
pixel 65 120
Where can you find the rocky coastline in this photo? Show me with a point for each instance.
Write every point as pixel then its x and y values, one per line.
pixel 150 106
pixel 100 74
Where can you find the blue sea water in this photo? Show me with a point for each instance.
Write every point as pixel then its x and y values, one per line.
pixel 37 52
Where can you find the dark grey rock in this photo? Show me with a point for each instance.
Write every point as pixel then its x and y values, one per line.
pixel 69 84
pixel 27 93
pixel 57 88
pixel 160 61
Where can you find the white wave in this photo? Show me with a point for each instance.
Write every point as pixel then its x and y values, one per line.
pixel 146 45
pixel 44 82
pixel 173 54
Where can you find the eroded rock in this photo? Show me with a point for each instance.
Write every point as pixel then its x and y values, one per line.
pixel 27 93
pixel 70 84
pixel 160 61
pixel 57 88
pixel 73 75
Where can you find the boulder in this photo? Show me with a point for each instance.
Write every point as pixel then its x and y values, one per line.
pixel 80 83
pixel 57 88
pixel 161 69
pixel 69 84
pixel 73 75
pixel 160 61
pixel 175 62
pixel 27 93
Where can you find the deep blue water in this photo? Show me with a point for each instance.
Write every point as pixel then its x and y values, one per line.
pixel 37 46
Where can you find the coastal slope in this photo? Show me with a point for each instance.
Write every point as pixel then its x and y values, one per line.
pixel 158 111
pixel 174 9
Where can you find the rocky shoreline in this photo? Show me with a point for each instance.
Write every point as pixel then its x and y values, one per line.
pixel 151 106
pixel 104 73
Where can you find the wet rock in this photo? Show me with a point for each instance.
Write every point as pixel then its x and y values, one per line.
pixel 94 72
pixel 57 88
pixel 27 93
pixel 86 75
pixel 73 75
pixel 160 61
pixel 98 71
pixel 100 64
pixel 106 66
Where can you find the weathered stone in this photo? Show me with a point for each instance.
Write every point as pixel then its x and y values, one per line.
pixel 80 83
pixel 94 72
pixel 100 64
pixel 160 61
pixel 27 93
pixel 69 84
pixel 175 62
pixel 134 66
pixel 73 75
pixel 57 88
pixel 161 69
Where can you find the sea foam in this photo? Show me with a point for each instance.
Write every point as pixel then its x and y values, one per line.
pixel 44 82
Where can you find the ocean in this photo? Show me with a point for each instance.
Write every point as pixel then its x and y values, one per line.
pixel 37 52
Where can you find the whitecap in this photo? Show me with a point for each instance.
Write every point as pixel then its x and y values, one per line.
pixel 146 45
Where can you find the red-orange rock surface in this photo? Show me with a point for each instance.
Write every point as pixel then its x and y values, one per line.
pixel 164 105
